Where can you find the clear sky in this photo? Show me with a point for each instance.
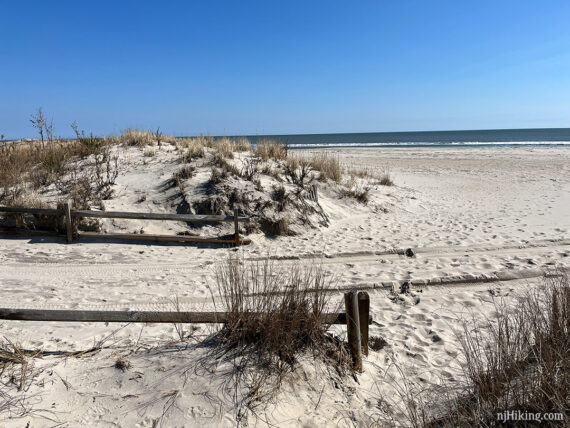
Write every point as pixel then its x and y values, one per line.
pixel 271 67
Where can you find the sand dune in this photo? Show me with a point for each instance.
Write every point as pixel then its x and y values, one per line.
pixel 484 224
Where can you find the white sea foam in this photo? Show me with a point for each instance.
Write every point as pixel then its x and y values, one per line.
pixel 435 144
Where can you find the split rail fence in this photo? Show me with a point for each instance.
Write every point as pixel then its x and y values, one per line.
pixel 68 213
pixel 357 319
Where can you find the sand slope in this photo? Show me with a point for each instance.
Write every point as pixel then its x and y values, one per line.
pixel 477 219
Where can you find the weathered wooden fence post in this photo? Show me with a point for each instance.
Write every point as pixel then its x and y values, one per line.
pixel 68 223
pixel 353 328
pixel 236 225
pixel 364 317
pixel 315 193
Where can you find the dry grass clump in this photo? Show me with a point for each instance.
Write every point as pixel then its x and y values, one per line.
pixel 149 153
pixel 358 192
pixel 242 144
pixel 218 176
pixel 272 172
pixel 30 221
pixel 274 317
pixel 15 161
pixel 276 227
pixel 221 170
pixel 22 163
pixel 266 150
pixel 191 148
pixel 16 375
pixel 520 361
pixel 328 166
pixel 224 148
pixel 280 196
pixel 89 143
pixel 203 141
pixel 136 137
pixel 122 364
pixel 377 343
pixel 250 169
pixel 184 173
pixel 298 171
pixel 42 162
pixel 385 178
pixel 181 175
pixel 194 151
pixel 361 173
pixel 88 184
pixel 220 161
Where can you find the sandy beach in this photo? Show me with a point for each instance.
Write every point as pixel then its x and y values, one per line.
pixel 483 223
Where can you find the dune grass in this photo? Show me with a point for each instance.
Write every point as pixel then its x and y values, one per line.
pixel 266 150
pixel 275 318
pixel 516 361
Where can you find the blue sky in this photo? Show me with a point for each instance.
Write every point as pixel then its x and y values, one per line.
pixel 272 67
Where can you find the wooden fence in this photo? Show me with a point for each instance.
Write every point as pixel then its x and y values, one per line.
pixel 68 213
pixel 357 319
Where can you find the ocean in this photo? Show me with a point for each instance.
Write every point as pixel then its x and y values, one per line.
pixel 548 137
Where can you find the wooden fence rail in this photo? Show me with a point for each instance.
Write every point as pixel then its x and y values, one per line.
pixel 132 316
pixel 68 213
pixel 357 318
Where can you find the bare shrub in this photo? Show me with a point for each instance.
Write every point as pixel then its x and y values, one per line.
pixel 106 172
pixel 275 316
pixel 77 185
pixel 39 122
pixel 29 163
pixel 158 136
pixel 54 161
pixel 280 196
pixel 266 150
pixel 250 169
pixel 82 194
pixel 298 171
pixel 90 143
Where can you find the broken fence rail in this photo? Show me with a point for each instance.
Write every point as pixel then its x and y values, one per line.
pixel 69 213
